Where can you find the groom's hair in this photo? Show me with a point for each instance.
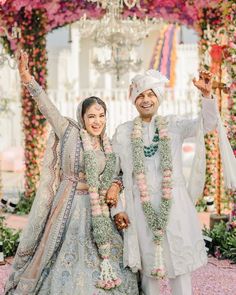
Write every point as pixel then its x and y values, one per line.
pixel 88 102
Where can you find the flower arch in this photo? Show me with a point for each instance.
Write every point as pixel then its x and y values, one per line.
pixel 38 17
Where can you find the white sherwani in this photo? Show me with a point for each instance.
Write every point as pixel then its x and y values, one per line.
pixel 184 248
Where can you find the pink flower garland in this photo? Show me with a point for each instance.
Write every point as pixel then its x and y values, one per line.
pixel 139 168
pixel 108 278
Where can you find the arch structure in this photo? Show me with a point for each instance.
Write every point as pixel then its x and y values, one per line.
pixel 214 20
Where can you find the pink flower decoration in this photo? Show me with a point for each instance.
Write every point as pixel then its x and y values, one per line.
pixel 167 196
pixel 167 172
pixel 163 132
pixel 118 281
pixel 141 176
pixel 141 182
pixel 96 212
pixel 143 187
pixel 144 199
pixel 166 190
pixel 94 202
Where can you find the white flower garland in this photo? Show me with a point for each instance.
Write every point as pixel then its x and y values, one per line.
pixel 101 222
pixel 157 221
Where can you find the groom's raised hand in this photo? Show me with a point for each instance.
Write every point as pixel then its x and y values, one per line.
pixel 204 83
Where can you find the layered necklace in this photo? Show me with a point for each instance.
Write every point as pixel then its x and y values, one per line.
pixel 101 222
pixel 157 220
pixel 150 150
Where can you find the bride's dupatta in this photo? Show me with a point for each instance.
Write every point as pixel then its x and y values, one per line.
pixel 41 238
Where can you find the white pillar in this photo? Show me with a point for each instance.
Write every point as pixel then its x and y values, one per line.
pixel 74 60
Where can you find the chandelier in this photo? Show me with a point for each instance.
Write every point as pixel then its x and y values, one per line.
pixel 4 56
pixel 118 35
pixel 117 61
pixel 129 3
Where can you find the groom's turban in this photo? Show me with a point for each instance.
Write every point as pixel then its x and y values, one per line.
pixel 151 79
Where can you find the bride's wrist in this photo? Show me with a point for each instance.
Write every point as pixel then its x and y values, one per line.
pixel 25 77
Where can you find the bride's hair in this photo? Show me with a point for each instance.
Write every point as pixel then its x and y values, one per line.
pixel 88 102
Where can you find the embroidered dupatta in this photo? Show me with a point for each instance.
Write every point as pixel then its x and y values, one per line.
pixel 41 239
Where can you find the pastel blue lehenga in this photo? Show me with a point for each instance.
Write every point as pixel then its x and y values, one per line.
pixel 57 254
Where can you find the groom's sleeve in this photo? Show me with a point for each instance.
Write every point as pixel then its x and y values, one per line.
pixel 209 113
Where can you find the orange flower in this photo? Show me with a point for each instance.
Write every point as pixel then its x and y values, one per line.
pixel 217 53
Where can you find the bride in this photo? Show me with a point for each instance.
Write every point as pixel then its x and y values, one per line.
pixel 70 245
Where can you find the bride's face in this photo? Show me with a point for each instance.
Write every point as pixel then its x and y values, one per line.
pixel 95 119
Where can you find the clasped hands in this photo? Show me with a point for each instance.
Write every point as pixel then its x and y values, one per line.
pixel 121 219
pixel 112 195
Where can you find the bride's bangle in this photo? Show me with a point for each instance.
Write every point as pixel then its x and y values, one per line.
pixel 33 87
pixel 23 74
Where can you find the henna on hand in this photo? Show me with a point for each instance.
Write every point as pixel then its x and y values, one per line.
pixel 23 67
pixel 121 221
pixel 112 195
pixel 204 83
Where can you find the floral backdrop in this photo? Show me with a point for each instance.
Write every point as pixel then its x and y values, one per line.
pixel 217 50
pixel 60 12
pixel 38 17
pixel 32 40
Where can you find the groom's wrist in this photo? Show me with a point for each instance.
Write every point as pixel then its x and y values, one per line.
pixel 207 94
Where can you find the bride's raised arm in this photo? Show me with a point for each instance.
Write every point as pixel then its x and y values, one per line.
pixel 46 107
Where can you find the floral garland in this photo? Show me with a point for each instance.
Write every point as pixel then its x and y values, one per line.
pixel 207 20
pixel 229 12
pixel 157 221
pixel 36 18
pixel 33 41
pixel 217 48
pixel 61 12
pixel 101 222
pixel 34 123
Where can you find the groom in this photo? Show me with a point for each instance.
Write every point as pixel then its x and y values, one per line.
pixel 162 235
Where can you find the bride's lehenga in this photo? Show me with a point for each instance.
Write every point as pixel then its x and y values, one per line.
pixel 76 268
pixel 57 253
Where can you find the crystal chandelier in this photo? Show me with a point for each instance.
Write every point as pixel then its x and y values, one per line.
pixel 112 29
pixel 129 3
pixel 117 34
pixel 4 56
pixel 118 62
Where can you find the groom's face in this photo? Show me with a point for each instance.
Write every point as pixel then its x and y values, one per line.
pixel 147 104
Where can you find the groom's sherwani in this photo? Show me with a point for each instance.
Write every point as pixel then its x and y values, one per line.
pixel 184 248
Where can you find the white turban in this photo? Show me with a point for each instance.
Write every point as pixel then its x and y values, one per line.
pixel 151 79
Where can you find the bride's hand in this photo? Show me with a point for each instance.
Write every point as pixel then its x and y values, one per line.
pixel 112 195
pixel 23 67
